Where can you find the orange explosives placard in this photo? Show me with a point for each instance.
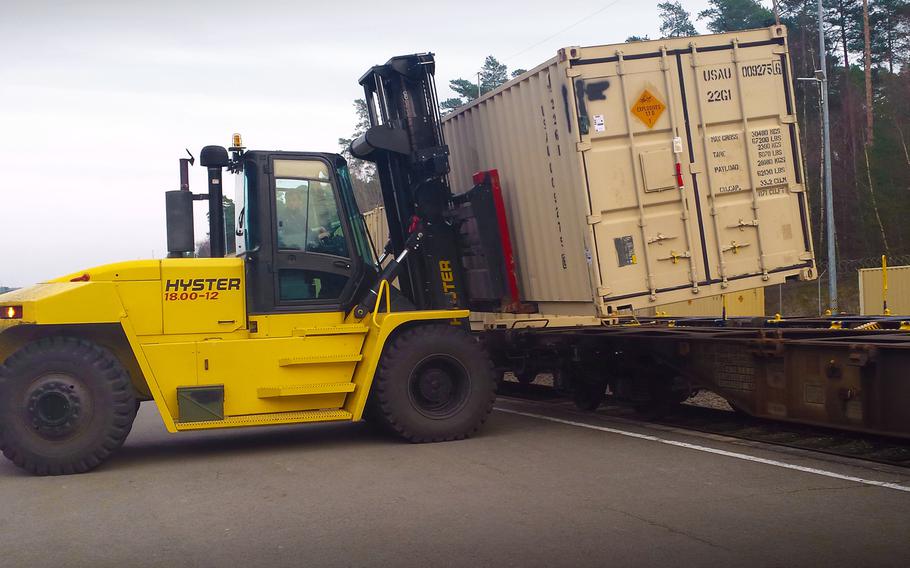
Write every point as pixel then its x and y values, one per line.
pixel 648 108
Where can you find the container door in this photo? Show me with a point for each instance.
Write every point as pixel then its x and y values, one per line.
pixel 635 149
pixel 746 164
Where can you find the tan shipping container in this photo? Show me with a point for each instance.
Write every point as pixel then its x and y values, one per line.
pixel 645 173
pixel 378 228
pixel 747 303
pixel 871 291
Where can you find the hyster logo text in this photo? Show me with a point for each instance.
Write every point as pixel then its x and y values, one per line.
pixel 202 285
pixel 448 279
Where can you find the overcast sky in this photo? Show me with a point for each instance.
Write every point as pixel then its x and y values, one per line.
pixel 98 99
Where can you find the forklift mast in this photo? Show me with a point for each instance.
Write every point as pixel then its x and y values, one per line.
pixel 405 142
pixel 450 250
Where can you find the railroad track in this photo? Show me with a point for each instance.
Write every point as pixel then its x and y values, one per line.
pixel 867 447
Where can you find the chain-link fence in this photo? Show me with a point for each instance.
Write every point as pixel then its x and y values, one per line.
pixel 811 298
pixel 853 264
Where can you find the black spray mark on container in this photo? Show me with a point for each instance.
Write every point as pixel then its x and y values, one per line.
pixel 597 91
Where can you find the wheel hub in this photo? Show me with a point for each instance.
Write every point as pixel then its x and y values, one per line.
pixel 54 408
pixel 436 385
pixel 439 386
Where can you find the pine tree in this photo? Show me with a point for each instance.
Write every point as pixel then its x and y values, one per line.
pixel 492 74
pixel 889 26
pixel 363 173
pixel 847 17
pixel 675 21
pixel 732 15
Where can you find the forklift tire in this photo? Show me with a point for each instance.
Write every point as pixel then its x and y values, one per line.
pixel 66 405
pixel 434 383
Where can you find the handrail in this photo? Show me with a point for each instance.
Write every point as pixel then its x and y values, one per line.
pixel 384 284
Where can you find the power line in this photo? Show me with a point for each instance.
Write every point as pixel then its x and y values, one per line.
pixel 565 29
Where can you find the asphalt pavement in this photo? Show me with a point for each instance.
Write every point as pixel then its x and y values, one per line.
pixel 528 491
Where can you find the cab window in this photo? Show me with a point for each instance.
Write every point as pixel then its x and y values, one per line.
pixel 358 228
pixel 297 285
pixel 312 248
pixel 247 216
pixel 308 218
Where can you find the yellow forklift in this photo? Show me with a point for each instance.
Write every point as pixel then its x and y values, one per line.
pixel 301 325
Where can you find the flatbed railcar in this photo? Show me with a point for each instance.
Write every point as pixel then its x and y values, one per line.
pixel 844 372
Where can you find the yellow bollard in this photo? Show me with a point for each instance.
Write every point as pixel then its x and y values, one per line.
pixel 885 309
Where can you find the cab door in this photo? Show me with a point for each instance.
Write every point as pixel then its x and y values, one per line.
pixel 314 265
pixel 304 269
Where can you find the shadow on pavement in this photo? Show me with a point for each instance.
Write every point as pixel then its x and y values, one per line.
pixel 206 445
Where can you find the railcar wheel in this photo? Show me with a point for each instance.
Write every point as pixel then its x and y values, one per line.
pixel 526 376
pixel 589 395
pixel 66 405
pixel 434 383
pixel 663 394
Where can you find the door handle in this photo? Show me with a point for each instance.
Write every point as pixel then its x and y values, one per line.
pixel 342 264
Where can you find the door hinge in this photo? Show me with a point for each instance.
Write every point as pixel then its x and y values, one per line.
pixel 582 146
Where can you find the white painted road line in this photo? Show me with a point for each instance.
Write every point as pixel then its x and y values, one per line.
pixel 746 457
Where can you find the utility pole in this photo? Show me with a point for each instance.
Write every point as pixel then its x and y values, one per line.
pixel 822 76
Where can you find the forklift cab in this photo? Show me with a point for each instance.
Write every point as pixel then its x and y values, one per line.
pixel 300 233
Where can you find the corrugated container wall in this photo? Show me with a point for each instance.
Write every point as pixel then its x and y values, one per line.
pixel 645 173
pixel 378 228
